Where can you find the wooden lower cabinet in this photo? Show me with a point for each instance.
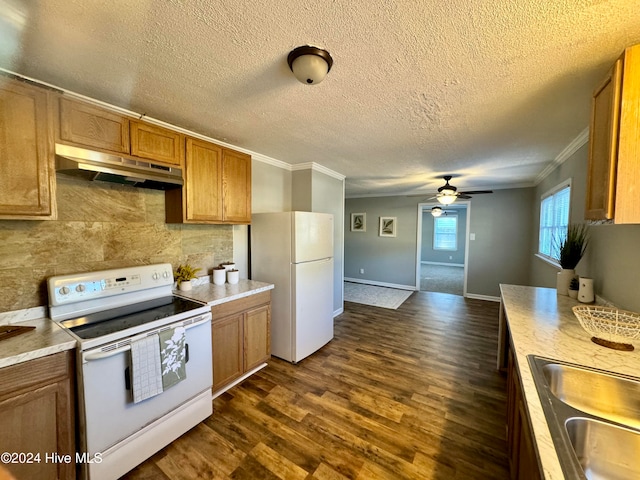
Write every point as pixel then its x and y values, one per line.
pixel 37 401
pixel 523 459
pixel 241 337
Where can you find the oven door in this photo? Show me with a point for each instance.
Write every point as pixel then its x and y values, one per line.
pixel 109 412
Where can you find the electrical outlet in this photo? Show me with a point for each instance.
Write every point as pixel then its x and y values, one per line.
pixel 361 271
pixel 472 236
pixel 450 257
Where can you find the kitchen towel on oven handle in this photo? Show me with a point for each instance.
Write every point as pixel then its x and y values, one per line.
pixel 146 372
pixel 173 356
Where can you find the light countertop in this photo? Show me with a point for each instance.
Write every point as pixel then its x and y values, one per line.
pixel 47 338
pixel 212 294
pixel 542 323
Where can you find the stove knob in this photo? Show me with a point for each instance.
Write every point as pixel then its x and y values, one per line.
pixel 155 276
pixel 80 288
pixel 64 291
pixel 165 274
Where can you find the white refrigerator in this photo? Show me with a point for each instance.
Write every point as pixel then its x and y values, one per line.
pixel 294 251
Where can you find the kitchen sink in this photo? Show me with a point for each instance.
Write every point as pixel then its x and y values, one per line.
pixel 599 393
pixel 604 450
pixel 593 417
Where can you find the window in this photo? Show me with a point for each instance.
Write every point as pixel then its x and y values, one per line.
pixel 445 232
pixel 554 218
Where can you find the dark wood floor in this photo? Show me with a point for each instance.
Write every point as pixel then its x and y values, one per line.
pixel 411 393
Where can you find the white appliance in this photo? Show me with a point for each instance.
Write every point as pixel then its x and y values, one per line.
pixel 294 251
pixel 107 312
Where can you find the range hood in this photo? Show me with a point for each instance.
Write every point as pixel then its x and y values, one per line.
pixel 124 170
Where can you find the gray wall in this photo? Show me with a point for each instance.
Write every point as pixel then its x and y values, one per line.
pixel 613 256
pixel 428 254
pixel 388 260
pixel 500 254
pixel 270 188
pixel 501 222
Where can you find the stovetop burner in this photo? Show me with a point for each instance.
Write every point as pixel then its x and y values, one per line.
pixel 118 319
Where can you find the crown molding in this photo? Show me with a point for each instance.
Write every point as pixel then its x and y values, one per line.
pixel 564 155
pixel 318 168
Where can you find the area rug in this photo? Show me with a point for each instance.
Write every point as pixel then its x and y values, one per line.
pixel 383 297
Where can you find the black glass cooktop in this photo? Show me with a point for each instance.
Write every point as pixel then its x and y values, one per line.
pixel 117 319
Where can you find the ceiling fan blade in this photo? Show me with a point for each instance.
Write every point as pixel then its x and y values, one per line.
pixel 476 192
pixel 462 195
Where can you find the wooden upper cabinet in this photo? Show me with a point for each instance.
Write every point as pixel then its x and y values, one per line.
pixel 613 181
pixel 27 171
pixel 217 186
pixel 91 126
pixel 156 143
pixel 200 200
pixel 603 146
pixel 203 181
pixel 236 186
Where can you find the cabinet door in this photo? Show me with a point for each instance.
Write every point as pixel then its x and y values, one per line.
pixel 203 181
pixel 27 178
pixel 627 209
pixel 226 344
pixel 257 337
pixel 603 146
pixel 91 126
pixel 236 168
pixel 36 400
pixel 156 143
pixel 528 468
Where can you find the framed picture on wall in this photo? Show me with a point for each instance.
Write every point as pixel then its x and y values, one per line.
pixel 358 222
pixel 388 226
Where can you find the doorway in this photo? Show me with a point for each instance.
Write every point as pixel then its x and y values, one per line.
pixel 443 249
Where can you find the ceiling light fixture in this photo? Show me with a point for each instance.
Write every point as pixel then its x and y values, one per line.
pixel 436 211
pixel 446 198
pixel 309 64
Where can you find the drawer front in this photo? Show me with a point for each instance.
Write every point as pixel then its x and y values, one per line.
pixel 236 306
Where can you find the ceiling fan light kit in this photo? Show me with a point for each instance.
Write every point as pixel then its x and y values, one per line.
pixel 447 194
pixel 436 211
pixel 309 64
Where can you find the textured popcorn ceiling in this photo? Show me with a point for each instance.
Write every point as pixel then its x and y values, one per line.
pixel 488 90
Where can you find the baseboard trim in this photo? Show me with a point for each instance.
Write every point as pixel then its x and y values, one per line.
pixel 443 263
pixel 381 284
pixel 482 297
pixel 338 312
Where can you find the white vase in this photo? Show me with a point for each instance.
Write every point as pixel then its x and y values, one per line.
pixel 585 293
pixel 233 276
pixel 185 285
pixel 219 276
pixel 563 280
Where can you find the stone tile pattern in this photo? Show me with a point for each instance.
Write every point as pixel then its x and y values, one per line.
pixel 100 226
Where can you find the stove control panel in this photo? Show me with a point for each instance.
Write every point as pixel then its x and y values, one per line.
pixel 67 289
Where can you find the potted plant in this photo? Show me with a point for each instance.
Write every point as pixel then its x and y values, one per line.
pixel 574 286
pixel 570 251
pixel 183 276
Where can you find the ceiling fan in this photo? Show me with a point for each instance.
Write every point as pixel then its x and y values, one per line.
pixel 447 194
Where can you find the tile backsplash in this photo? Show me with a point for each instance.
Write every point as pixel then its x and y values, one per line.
pixel 100 226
